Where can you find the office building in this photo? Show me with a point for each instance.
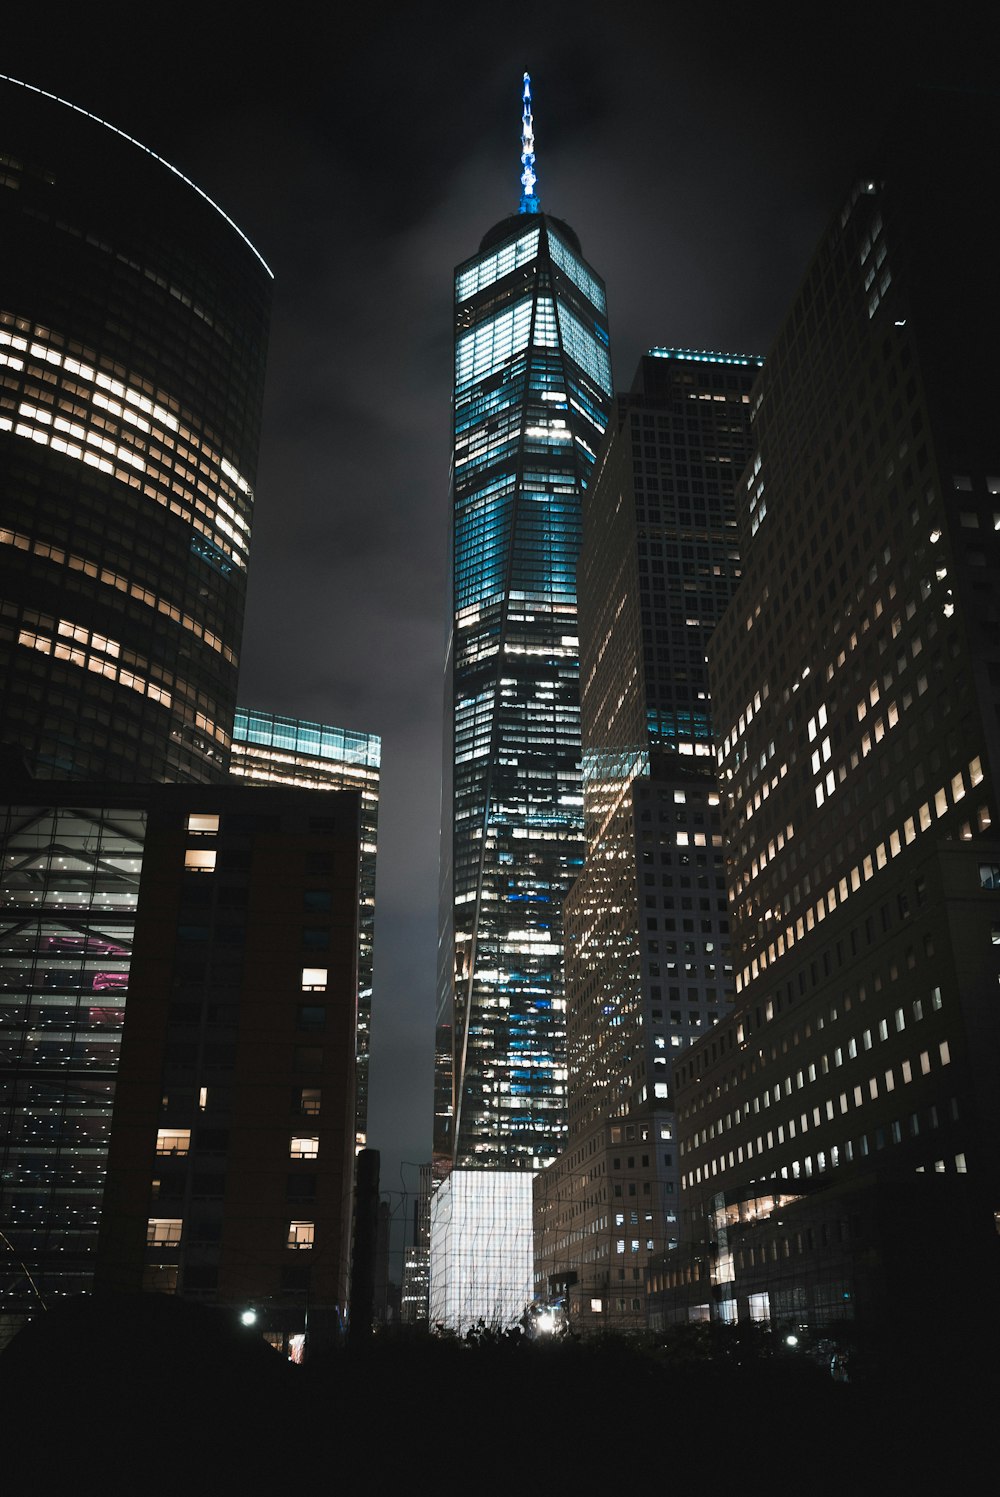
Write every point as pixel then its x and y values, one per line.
pixel 532 389
pixel 133 335
pixel 839 1133
pixel 178 979
pixel 648 965
pixel 531 398
pixel 272 750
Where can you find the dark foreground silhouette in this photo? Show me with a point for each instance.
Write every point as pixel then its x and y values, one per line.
pixel 150 1393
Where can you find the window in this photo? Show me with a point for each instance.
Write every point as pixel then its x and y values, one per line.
pixel 312 1016
pixel 197 860
pixel 173 1140
pixel 300 1187
pixel 314 979
pixel 203 825
pixel 309 1099
pixel 304 1148
pixel 163 1231
pixel 301 1234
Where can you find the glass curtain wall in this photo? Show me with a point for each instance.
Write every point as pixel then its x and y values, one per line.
pixel 532 394
pixel 67 917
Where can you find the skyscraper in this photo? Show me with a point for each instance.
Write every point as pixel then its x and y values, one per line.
pixel 532 390
pixel 133 335
pixel 648 965
pixel 531 397
pixel 839 1134
pixel 274 750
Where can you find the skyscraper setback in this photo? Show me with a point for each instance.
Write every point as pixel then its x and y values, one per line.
pixel 531 397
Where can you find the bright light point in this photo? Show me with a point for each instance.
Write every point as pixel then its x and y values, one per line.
pixel 248 1317
pixel 791 1340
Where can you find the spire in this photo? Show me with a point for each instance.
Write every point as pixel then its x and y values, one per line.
pixel 529 202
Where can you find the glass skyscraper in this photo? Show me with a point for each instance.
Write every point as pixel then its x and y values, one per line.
pixel 532 392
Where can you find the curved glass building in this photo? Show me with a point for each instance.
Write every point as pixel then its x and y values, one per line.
pixel 133 335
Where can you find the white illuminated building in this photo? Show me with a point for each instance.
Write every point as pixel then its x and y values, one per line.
pixel 481 1249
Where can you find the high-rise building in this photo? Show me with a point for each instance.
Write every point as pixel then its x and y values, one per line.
pixel 531 396
pixel 133 335
pixel 839 1134
pixel 178 973
pixel 532 390
pixel 648 965
pixel 272 750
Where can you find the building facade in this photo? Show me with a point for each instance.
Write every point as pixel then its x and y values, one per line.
pixel 179 969
pixel 532 391
pixel 268 749
pixel 855 688
pixel 133 335
pixel 648 965
pixel 531 397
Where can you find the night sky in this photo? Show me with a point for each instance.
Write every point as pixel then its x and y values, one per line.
pixel 697 154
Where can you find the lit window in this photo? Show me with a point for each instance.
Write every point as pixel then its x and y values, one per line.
pixel 314 979
pixel 304 1148
pixel 301 1234
pixel 205 825
pixel 198 861
pixel 173 1140
pixel 310 1098
pixel 163 1231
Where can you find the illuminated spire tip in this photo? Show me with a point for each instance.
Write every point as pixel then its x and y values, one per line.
pixel 529 201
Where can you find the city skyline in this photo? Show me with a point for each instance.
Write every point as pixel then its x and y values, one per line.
pixel 731 163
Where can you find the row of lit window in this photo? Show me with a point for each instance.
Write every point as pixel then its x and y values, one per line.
pixel 124 454
pixel 840 892
pixel 834 1155
pixel 577 271
pixel 166 1231
pixel 100 656
pixel 811 1074
pixel 142 594
pixel 830 778
pixel 491 268
pixel 93 659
